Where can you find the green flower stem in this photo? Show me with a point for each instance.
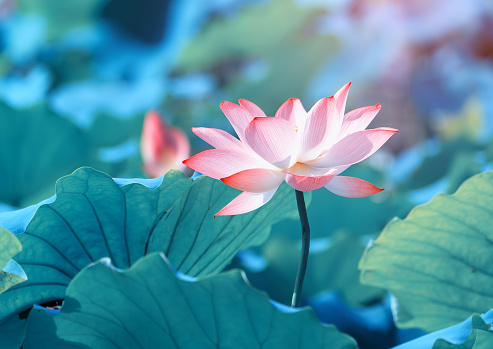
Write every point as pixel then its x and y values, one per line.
pixel 305 249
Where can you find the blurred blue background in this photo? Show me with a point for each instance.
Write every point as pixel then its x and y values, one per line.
pixel 76 79
pixel 98 63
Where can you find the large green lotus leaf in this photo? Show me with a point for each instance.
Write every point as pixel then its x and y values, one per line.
pixel 10 246
pixel 94 217
pixel 437 261
pixel 291 52
pixel 149 306
pixel 332 265
pixel 12 333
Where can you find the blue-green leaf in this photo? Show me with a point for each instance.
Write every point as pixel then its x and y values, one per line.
pixel 12 330
pixel 11 273
pixel 149 306
pixel 473 333
pixel 94 217
pixel 437 261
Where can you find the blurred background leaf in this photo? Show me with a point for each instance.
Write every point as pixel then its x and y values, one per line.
pixel 61 17
pixel 39 146
pixel 280 256
pixel 239 51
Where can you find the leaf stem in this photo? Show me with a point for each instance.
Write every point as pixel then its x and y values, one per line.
pixel 305 249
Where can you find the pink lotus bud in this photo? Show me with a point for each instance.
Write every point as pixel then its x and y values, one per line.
pixel 162 147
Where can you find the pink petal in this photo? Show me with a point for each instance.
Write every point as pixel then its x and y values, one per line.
pixel 358 119
pixel 351 187
pixel 293 111
pixel 257 180
pixel 218 138
pixel 252 108
pixel 308 183
pixel 355 148
pixel 272 139
pixel 246 202
pixel 341 169
pixel 238 117
pixel 341 97
pixel 322 125
pixel 220 163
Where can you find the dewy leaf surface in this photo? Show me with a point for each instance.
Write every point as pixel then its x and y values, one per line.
pixel 94 217
pixel 148 306
pixel 10 274
pixel 438 261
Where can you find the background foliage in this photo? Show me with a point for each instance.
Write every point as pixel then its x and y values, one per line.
pixel 76 81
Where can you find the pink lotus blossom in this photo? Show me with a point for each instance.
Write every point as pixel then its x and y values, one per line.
pixel 307 150
pixel 162 147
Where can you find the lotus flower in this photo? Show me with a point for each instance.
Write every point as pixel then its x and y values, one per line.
pixel 162 147
pixel 307 150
